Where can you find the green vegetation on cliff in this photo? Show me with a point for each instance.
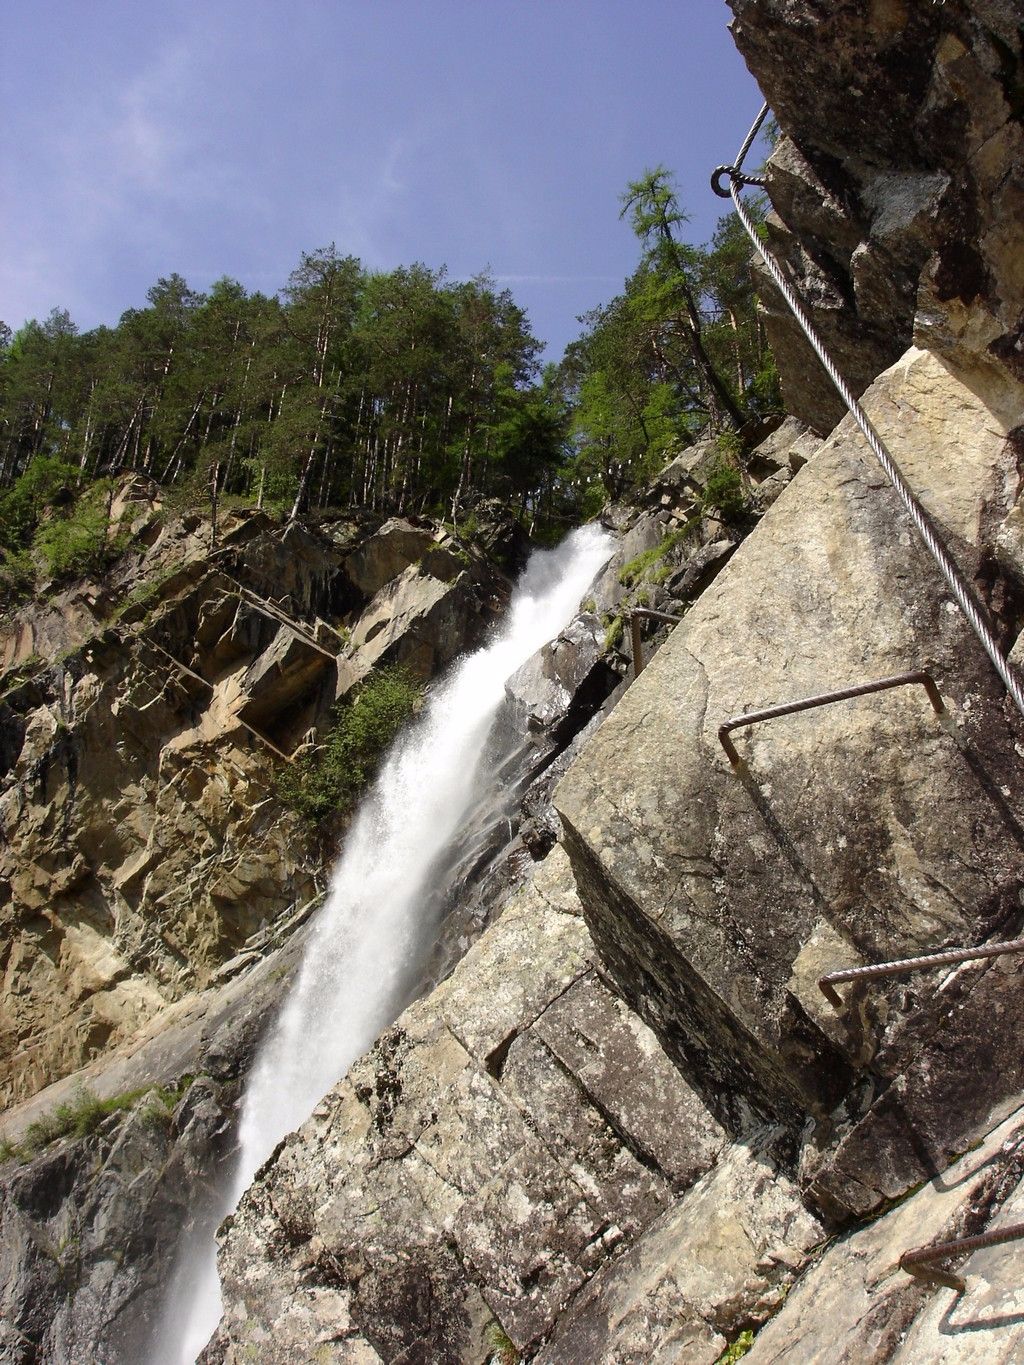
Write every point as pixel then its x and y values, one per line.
pixel 680 352
pixel 397 391
pixel 325 782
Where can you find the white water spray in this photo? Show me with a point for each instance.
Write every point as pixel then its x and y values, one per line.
pixel 368 940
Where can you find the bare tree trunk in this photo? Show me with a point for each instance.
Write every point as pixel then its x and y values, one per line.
pixel 214 476
pixel 87 439
pixel 122 448
pixel 181 442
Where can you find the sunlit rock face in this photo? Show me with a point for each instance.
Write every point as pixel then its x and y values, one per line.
pixel 517 1149
pixel 692 907
pixel 853 833
pixel 142 726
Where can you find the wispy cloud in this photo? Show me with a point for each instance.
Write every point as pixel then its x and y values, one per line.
pixel 373 195
pixel 557 279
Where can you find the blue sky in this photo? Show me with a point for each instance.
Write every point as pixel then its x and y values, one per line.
pixel 226 137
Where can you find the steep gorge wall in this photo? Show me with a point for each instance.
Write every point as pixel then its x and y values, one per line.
pixel 499 1169
pixel 621 1127
pixel 897 184
pixel 156 887
pixel 144 845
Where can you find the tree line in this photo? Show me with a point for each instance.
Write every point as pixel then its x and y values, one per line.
pixel 680 353
pixel 393 391
pixel 398 391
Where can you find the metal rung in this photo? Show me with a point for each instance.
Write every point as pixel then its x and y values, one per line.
pixel 918 1261
pixel 906 965
pixel 826 699
pixel 634 626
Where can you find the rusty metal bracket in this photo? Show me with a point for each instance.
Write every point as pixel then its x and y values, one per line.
pixel 826 699
pixel 906 965
pixel 918 1262
pixel 634 626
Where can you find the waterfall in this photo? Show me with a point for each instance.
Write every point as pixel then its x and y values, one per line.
pixel 369 939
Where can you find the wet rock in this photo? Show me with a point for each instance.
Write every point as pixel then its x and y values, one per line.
pixel 89 1228
pixel 647 531
pixel 564 683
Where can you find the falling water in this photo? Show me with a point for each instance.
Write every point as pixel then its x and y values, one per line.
pixel 368 941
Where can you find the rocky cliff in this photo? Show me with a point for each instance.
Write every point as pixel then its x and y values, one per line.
pixel 627 1125
pixel 630 1126
pixel 155 884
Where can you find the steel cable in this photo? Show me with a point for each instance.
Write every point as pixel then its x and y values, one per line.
pixel 964 594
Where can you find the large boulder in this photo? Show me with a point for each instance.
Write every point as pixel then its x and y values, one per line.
pixel 383 556
pixel 432 611
pixel 856 1303
pixel 564 682
pixel 858 832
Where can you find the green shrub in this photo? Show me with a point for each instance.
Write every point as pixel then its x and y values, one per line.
pixel 147 592
pixel 723 492
pixel 502 1347
pixel 614 627
pixel 737 1350
pixel 649 563
pixel 78 543
pixel 729 446
pixel 85 1111
pixel 328 781
pixel 636 568
pixel 45 481
pixel 469 527
pixel 20 673
pixel 17 575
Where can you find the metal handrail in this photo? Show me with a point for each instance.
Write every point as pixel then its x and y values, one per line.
pixel 825 699
pixel 917 1261
pixel 907 965
pixel 634 628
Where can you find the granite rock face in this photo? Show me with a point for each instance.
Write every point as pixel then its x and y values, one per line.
pixel 859 832
pixel 91 1225
pixel 237 674
pixel 516 1151
pixel 627 1126
pixel 898 187
pixel 855 1304
pixel 546 1196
